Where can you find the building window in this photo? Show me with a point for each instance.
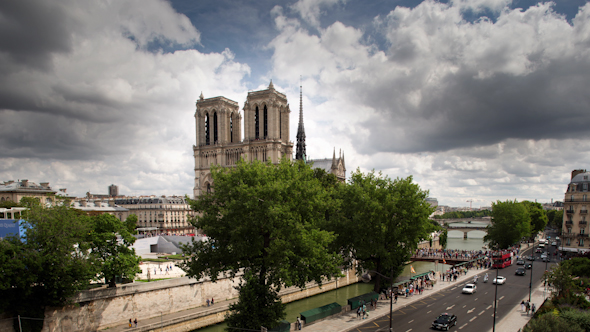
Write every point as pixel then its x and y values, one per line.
pixel 231 128
pixel 208 188
pixel 581 242
pixel 585 187
pixel 568 242
pixel 215 128
pixel 206 128
pixel 265 120
pixel 584 198
pixel 571 198
pixel 256 124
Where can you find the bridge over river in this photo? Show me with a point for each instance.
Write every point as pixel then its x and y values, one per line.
pixel 466 228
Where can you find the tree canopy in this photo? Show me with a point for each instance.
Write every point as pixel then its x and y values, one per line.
pixel 510 223
pixel 381 221
pixel 538 217
pixel 264 219
pixel 115 258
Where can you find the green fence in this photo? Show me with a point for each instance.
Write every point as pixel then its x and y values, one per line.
pixel 355 302
pixel 321 312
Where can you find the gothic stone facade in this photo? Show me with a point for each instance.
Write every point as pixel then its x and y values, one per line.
pixel 218 129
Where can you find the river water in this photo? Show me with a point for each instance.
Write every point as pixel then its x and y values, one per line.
pixel 341 295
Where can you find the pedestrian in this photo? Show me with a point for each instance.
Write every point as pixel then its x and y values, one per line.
pixel 212 301
pixel 130 322
pixel 533 310
pixel 364 311
pixel 395 297
pixel 528 308
pixel 522 305
pixel 298 323
pixel 135 322
pixel 208 302
pixel 358 312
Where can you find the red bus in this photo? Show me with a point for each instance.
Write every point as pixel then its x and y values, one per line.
pixel 501 259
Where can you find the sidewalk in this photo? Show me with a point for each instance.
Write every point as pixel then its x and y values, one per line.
pixel 517 318
pixel 348 321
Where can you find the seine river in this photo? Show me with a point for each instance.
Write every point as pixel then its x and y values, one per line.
pixel 455 241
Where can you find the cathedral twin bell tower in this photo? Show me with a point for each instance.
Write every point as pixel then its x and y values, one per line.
pixel 219 123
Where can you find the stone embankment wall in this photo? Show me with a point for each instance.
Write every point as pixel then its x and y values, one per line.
pixel 103 308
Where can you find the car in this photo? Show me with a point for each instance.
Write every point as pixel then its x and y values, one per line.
pixel 520 272
pixel 520 262
pixel 557 238
pixel 554 244
pixel 444 321
pixel 539 250
pixel 528 266
pixel 545 259
pixel 499 280
pixel 469 289
pixel 530 258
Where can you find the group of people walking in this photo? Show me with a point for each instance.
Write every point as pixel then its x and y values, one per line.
pixel 528 307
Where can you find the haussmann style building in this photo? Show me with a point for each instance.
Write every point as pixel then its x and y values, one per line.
pixel 575 207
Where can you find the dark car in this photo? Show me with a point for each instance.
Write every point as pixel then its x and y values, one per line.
pixel 528 266
pixel 530 258
pixel 520 272
pixel 520 262
pixel 444 322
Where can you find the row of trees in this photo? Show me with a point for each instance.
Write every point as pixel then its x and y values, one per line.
pixel 513 221
pixel 463 214
pixel 61 251
pixel 567 310
pixel 288 224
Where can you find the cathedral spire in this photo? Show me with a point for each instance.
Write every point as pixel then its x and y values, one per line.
pixel 300 153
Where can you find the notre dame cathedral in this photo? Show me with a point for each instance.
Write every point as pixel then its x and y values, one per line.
pixel 266 135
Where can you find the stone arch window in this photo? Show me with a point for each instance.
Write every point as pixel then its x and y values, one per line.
pixel 208 187
pixel 215 136
pixel 2 200
pixel 265 120
pixel 256 124
pixel 281 124
pixel 207 132
pixel 231 128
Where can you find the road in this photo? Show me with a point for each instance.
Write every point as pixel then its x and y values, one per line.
pixel 474 312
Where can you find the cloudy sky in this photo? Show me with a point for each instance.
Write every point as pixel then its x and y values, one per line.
pixel 479 100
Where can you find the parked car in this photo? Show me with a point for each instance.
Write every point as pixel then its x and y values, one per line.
pixel 469 289
pixel 530 258
pixel 444 322
pixel 520 272
pixel 520 262
pixel 528 266
pixel 499 280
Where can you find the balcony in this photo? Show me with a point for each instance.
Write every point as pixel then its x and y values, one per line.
pixel 569 222
pixel 583 223
pixel 584 211
pixel 580 244
pixel 582 235
pixel 570 211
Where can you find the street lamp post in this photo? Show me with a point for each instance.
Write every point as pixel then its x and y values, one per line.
pixel 495 300
pixel 366 278
pixel 531 282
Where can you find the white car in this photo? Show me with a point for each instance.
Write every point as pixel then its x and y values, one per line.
pixel 469 289
pixel 554 244
pixel 499 280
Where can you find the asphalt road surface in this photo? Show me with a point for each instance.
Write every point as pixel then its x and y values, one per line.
pixel 474 312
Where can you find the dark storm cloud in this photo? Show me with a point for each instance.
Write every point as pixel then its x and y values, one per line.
pixel 32 30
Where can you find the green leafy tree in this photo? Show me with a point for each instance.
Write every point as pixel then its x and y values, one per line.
pixel 263 219
pixel 381 222
pixel 510 223
pixel 577 317
pixel 537 216
pixel 258 304
pixel 47 266
pixel 114 258
pixel 557 220
pixel 443 238
pixel 550 322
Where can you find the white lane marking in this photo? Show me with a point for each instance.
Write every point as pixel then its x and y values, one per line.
pixel 453 288
pixel 501 297
pixel 464 306
pixel 462 326
pixel 472 319
pixel 481 312
pixel 451 307
pixel 429 311
pixel 476 299
pixel 470 310
pixel 410 322
pixel 489 307
pixel 409 330
pixel 429 305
